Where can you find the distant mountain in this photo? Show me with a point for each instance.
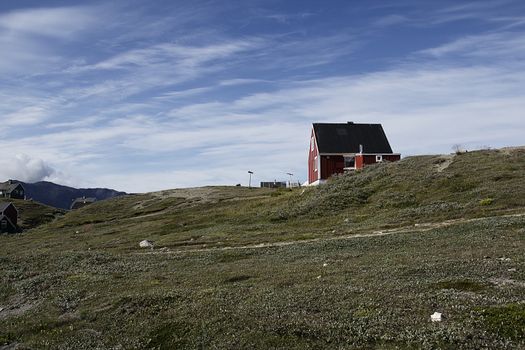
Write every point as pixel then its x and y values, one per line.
pixel 59 196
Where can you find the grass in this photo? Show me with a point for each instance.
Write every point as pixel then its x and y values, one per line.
pixel 464 285
pixel 508 321
pixel 97 289
pixel 33 214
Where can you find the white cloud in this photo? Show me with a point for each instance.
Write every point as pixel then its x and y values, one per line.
pixel 424 109
pixel 25 168
pixel 29 38
pixel 25 116
pixel 111 118
pixel 59 22
pixel 178 56
pixel 506 45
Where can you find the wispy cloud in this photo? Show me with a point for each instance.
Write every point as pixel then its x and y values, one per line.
pixel 289 17
pixel 175 101
pixel 183 57
pixel 59 22
pixel 389 20
pixel 26 36
pixel 508 45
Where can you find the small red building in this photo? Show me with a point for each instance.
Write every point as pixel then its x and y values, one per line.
pixel 339 147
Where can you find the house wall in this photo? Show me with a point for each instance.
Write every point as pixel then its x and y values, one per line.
pixel 392 157
pixel 331 165
pixel 313 162
pixel 12 213
pixel 6 226
pixel 366 159
pixel 17 193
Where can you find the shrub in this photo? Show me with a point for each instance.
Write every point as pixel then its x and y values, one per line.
pixel 486 201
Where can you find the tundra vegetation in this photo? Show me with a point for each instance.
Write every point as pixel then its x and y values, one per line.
pixel 359 263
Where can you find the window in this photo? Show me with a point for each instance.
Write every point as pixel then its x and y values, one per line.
pixel 349 162
pixel 379 158
pixel 315 163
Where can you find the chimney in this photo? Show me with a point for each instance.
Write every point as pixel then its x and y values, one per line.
pixel 361 149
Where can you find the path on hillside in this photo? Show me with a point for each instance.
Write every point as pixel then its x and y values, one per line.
pixel 419 228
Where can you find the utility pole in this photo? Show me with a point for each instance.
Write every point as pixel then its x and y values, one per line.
pixel 250 181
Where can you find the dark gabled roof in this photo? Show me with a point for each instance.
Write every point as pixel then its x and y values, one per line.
pixel 80 201
pixel 346 138
pixel 4 205
pixel 85 200
pixel 9 186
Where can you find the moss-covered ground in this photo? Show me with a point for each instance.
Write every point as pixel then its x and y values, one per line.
pixel 310 268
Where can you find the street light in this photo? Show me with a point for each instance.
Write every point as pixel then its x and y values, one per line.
pixel 250 181
pixel 290 183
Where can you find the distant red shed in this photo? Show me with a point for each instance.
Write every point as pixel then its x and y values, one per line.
pixel 339 147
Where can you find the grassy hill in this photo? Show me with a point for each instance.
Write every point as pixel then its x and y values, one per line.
pixel 32 214
pixel 361 262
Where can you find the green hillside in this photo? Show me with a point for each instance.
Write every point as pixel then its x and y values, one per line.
pixel 361 262
pixel 32 214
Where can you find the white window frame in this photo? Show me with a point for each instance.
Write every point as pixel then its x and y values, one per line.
pixel 348 168
pixel 315 163
pixel 312 141
pixel 379 158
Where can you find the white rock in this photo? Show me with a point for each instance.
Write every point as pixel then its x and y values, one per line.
pixel 325 265
pixel 146 244
pixel 436 317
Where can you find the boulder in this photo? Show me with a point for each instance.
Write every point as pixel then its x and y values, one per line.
pixel 146 244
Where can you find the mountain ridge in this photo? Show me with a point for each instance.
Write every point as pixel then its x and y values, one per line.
pixel 60 196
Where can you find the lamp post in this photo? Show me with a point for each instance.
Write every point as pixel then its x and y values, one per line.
pixel 250 181
pixel 290 183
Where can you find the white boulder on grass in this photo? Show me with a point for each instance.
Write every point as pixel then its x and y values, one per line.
pixel 146 244
pixel 436 317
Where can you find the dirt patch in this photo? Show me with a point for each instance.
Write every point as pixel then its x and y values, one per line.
pixel 509 150
pixel 507 281
pixel 420 228
pixel 16 308
pixel 445 161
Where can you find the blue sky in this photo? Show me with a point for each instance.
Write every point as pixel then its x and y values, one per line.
pixel 150 95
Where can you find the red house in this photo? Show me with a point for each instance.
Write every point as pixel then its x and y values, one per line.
pixel 336 148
